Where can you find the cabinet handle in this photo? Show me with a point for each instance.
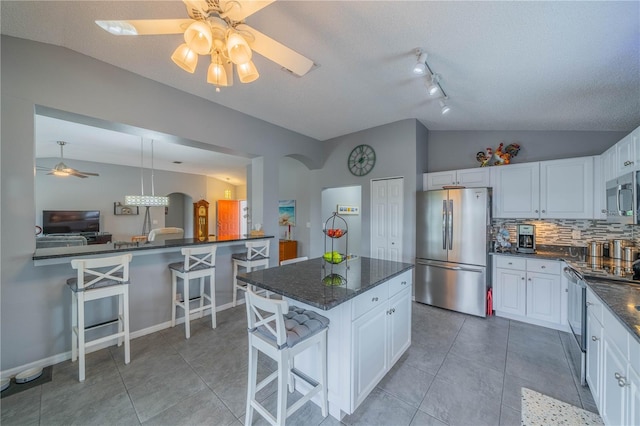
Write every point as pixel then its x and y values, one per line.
pixel 618 376
pixel 374 299
pixel 403 283
pixel 388 312
pixel 622 383
pixel 604 211
pixel 510 263
pixel 543 267
pixel 393 310
pixel 595 339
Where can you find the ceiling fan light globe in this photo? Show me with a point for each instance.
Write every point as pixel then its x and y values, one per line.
pixel 217 75
pixel 238 49
pixel 247 72
pixel 185 58
pixel 199 38
pixel 59 173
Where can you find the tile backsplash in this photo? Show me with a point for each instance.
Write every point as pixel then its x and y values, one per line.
pixel 560 231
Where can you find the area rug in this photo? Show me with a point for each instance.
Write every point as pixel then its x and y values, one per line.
pixel 14 388
pixel 538 409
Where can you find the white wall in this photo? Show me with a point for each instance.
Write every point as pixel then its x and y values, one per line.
pixel 349 195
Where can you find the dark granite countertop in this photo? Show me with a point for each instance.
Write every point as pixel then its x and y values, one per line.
pixel 122 247
pixel 303 281
pixel 622 299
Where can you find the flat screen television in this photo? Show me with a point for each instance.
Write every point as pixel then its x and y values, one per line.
pixel 70 221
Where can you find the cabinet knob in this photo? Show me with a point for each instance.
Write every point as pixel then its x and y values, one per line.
pixel 522 278
pixel 536 211
pixel 603 211
pixel 374 299
pixel 529 279
pixel 589 303
pixel 618 376
pixel 544 211
pixel 403 283
pixel 594 338
pixel 543 267
pixel 510 263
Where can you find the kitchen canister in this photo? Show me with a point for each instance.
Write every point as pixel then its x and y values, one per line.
pixel 595 249
pixel 616 249
pixel 630 254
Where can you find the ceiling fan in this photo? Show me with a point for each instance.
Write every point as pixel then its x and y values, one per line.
pixel 62 169
pixel 216 28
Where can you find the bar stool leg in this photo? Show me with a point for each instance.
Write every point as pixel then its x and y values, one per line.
pixel 74 327
pixel 120 320
pixel 212 292
pixel 187 308
pixel 322 346
pixel 235 283
pixel 251 386
pixel 174 292
pixel 283 381
pixel 201 297
pixel 127 345
pixel 81 348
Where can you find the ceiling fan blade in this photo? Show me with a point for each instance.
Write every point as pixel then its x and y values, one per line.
pixel 145 26
pixel 277 52
pixel 77 174
pixel 86 173
pixel 245 8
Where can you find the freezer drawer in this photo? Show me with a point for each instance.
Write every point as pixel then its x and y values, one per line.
pixel 461 288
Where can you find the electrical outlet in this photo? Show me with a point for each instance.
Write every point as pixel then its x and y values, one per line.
pixel 575 234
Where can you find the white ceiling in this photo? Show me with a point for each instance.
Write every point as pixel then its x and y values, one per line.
pixel 505 65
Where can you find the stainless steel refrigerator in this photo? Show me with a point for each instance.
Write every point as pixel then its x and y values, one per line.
pixel 453 236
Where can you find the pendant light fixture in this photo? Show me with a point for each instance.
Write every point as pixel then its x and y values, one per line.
pixel 146 200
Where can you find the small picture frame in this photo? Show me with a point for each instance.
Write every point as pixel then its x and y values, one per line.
pixel 346 209
pixel 287 212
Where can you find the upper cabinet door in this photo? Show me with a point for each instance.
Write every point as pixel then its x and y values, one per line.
pixel 516 190
pixel 437 180
pixel 626 150
pixel 474 178
pixel 566 188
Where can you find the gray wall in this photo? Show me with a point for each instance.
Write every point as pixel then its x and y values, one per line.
pixel 294 183
pixel 395 145
pixel 36 74
pixel 451 150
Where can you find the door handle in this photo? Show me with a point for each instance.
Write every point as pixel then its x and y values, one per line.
pixel 450 224
pixel 453 268
pixel 444 224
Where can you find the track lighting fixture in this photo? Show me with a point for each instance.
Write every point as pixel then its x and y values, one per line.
pixel 420 68
pixel 444 108
pixel 432 84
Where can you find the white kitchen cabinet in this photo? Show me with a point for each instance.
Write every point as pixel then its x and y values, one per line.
pixel 384 311
pixel 543 297
pixel 510 291
pixel 371 357
pixel 594 355
pixel 599 189
pixel 610 164
pixel 556 189
pixel 613 361
pixel 469 178
pixel 516 190
pixel 626 154
pixel 529 290
pixel 614 401
pixel 566 188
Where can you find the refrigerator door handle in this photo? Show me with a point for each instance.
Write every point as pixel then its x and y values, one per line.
pixel 450 227
pixel 444 224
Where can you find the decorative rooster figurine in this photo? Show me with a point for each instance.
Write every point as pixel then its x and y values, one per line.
pixel 500 156
pixel 484 157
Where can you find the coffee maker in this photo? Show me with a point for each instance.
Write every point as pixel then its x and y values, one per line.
pixel 526 238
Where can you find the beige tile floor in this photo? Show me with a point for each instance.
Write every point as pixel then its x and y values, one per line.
pixel 459 370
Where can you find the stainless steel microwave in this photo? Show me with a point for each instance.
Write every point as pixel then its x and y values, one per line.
pixel 622 199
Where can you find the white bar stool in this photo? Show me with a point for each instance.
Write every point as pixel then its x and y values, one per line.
pixel 199 262
pixel 282 332
pixel 98 279
pixel 257 255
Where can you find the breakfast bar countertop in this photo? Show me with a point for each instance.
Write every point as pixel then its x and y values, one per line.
pixel 310 281
pixel 44 256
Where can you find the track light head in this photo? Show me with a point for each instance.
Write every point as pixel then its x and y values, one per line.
pixel 444 108
pixel 420 67
pixel 432 85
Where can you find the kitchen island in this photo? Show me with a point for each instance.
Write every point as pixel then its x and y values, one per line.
pixel 368 302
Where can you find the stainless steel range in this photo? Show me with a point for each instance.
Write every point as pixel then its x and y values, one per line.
pixel 577 316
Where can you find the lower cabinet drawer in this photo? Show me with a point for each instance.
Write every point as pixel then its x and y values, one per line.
pixel 375 297
pixel 544 266
pixel 511 262
pixel 399 283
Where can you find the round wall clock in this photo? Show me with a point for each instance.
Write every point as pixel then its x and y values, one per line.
pixel 361 160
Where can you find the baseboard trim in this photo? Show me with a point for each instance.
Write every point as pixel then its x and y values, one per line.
pixel 58 358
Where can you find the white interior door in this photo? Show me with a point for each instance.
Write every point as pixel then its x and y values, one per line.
pixel 386 218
